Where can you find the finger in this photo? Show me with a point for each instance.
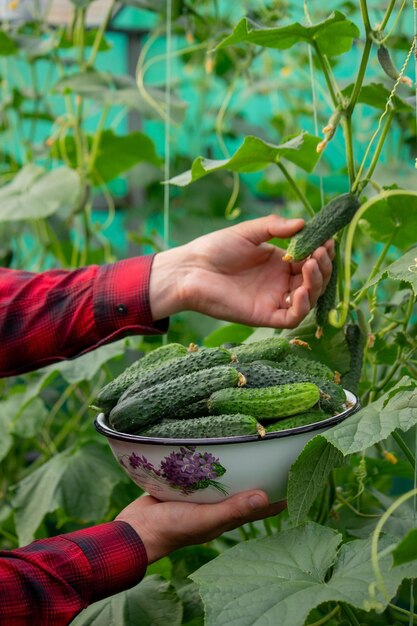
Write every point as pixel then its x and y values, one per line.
pixel 325 264
pixel 312 280
pixel 265 228
pixel 235 511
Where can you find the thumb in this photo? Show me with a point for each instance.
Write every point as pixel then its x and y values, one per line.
pixel 263 229
pixel 237 510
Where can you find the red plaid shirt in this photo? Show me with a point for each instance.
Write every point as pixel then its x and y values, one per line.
pixel 45 318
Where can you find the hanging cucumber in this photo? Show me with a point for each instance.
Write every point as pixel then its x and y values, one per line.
pixel 388 66
pixel 326 301
pixel 324 225
pixel 356 341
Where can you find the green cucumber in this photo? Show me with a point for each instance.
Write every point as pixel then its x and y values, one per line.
pixel 356 341
pixel 203 359
pixel 274 349
pixel 110 393
pixel 260 374
pixel 311 367
pixel 326 301
pixel 301 419
pixel 163 400
pixel 324 225
pixel 265 402
pixel 206 427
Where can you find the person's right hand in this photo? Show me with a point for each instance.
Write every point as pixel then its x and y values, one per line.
pixel 167 526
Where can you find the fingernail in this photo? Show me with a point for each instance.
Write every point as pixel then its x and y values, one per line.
pixel 257 502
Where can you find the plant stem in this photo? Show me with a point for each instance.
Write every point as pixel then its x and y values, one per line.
pixel 387 15
pixel 100 34
pixel 404 447
pixel 296 188
pixel 350 157
pixel 365 16
pixel 327 73
pixel 360 77
pixel 380 144
pixel 326 618
pixel 350 614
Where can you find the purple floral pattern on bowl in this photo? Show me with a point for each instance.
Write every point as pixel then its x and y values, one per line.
pixel 185 470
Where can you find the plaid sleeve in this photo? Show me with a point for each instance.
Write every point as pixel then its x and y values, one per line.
pixel 48 582
pixel 61 314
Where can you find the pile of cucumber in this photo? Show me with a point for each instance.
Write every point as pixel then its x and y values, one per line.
pixel 248 389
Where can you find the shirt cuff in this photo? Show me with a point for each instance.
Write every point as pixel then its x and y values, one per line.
pixel 121 299
pixel 116 556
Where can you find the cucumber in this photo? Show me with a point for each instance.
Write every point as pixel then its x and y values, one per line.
pixel 265 402
pixel 203 359
pixel 163 400
pixel 193 409
pixel 301 419
pixel 326 301
pixel 273 349
pixel 356 342
pixel 311 367
pixel 324 225
pixel 260 374
pixel 110 393
pixel 204 427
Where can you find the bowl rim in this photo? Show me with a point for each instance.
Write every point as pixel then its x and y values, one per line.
pixel 352 399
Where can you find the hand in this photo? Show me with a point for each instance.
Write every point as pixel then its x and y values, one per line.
pixel 167 526
pixel 234 275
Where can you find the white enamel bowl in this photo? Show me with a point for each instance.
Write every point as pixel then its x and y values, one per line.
pixel 210 470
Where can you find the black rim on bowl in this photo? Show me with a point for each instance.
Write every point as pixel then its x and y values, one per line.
pixel 102 427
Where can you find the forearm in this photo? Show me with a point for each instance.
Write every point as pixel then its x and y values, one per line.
pixel 59 314
pixel 50 581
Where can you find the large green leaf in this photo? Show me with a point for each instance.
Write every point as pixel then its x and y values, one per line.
pixel 403 269
pixel 77 482
pixel 392 216
pixel 396 409
pixel 152 603
pixel 308 476
pixel 116 154
pixel 234 333
pixel 333 35
pixel 280 579
pixel 35 193
pixel 85 367
pixel 253 155
pixel 370 425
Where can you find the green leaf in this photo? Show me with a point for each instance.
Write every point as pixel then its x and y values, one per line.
pixel 35 193
pixel 308 476
pixel 333 36
pixel 152 603
pixel 376 95
pixel 396 409
pixel 85 367
pixel 253 155
pixel 392 216
pixel 403 269
pixel 280 579
pixel 116 154
pixel 230 333
pixel 77 482
pixel 7 45
pixel 406 550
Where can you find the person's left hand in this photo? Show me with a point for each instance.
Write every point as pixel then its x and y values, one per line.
pixel 233 274
pixel 167 526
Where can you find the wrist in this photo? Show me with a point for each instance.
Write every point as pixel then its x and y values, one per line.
pixel 168 284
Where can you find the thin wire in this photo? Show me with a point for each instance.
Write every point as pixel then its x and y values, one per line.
pixel 314 95
pixel 167 150
pixel 412 603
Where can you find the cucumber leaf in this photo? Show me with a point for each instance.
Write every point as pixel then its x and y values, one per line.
pixel 147 604
pixel 333 36
pixel 280 579
pixel 233 333
pixel 308 476
pixel 254 155
pixel 61 485
pixel 376 95
pixel 35 193
pixel 403 269
pixel 406 550
pixel 392 216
